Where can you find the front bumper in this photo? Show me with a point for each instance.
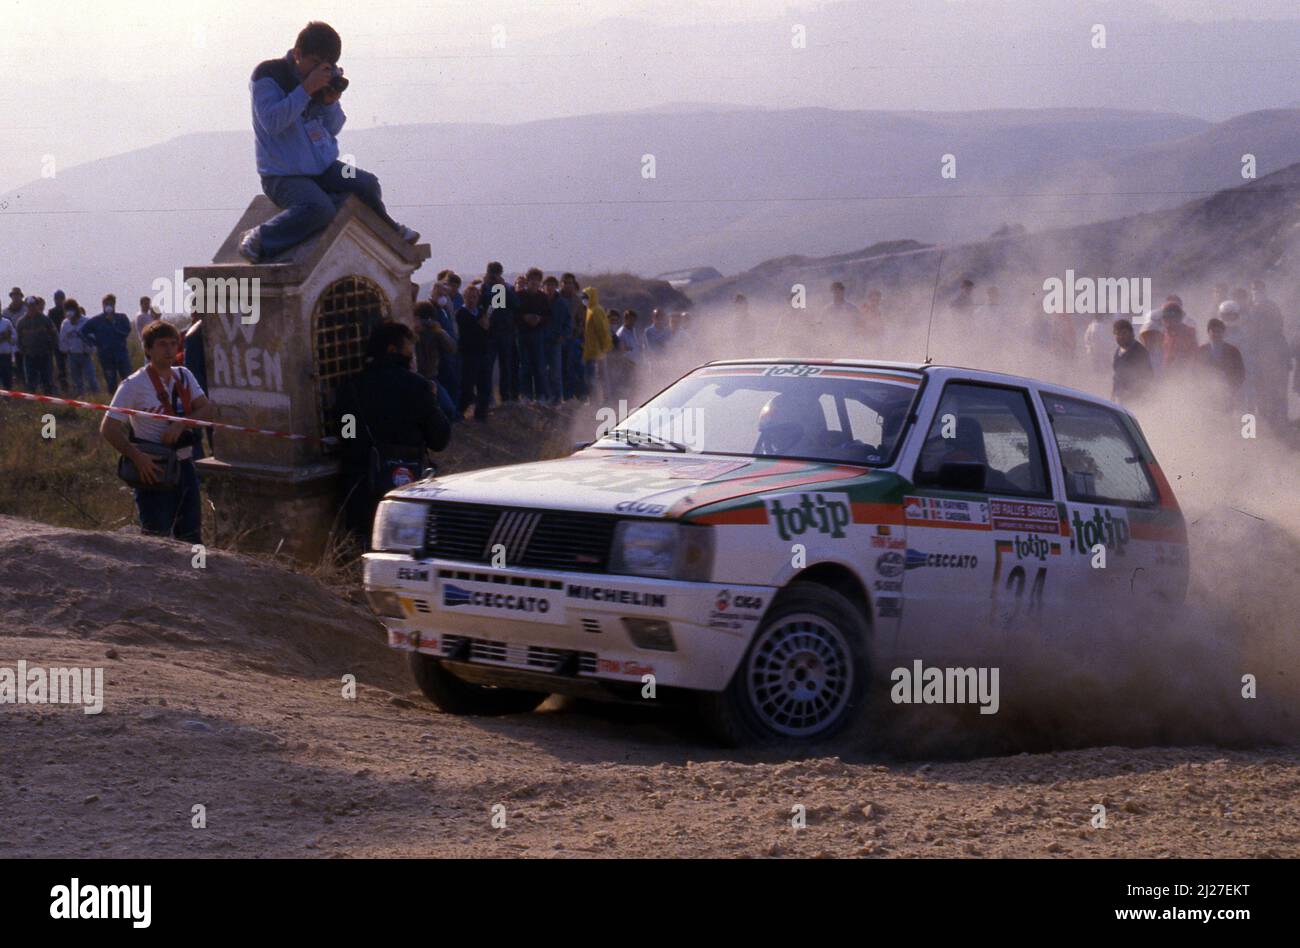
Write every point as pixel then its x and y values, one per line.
pixel 568 626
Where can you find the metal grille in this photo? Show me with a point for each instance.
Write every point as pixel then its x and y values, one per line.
pixel 535 657
pixel 345 315
pixel 534 539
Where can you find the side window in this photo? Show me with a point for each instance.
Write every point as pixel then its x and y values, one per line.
pixel 829 412
pixel 984 439
pixel 1101 462
pixel 864 420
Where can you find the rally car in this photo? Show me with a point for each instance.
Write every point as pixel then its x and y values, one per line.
pixel 764 534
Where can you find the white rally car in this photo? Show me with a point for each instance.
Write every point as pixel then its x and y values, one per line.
pixel 764 534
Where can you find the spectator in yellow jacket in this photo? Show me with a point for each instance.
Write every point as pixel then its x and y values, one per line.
pixel 596 343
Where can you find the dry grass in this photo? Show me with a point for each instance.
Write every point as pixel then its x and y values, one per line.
pixel 70 480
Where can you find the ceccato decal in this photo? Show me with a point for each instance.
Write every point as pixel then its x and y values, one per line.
pixel 918 560
pixel 508 602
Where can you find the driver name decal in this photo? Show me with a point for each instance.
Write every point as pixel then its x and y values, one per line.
pixel 940 511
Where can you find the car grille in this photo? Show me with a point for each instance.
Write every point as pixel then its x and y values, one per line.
pixel 534 539
pixel 534 657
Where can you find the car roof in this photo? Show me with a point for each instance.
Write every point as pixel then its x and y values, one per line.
pixel 938 372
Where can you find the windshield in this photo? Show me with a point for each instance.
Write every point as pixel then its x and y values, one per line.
pixel 815 412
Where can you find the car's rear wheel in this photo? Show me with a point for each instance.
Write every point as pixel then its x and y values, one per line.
pixel 803 677
pixel 455 696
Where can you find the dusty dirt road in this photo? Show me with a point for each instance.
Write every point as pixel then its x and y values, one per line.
pixel 224 689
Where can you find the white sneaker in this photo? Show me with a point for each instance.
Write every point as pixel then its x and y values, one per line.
pixel 250 246
pixel 410 236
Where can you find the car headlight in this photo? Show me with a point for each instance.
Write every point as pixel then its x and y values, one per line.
pixel 399 527
pixel 663 550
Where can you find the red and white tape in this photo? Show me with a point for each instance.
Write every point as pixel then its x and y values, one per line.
pixel 96 406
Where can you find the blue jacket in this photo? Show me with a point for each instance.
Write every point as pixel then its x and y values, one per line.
pixel 108 334
pixel 561 324
pixel 295 136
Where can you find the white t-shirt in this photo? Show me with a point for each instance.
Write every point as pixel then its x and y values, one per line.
pixel 142 320
pixel 631 344
pixel 137 391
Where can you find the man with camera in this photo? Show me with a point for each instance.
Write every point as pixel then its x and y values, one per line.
pixel 158 456
pixel 296 118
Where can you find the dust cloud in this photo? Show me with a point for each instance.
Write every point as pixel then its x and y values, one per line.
pixel 1131 673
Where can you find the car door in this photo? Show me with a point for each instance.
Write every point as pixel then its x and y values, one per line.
pixel 1112 503
pixel 983 526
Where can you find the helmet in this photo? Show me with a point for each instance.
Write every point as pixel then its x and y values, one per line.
pixel 786 420
pixel 1229 308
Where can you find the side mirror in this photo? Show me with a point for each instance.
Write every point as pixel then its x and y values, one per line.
pixel 961 475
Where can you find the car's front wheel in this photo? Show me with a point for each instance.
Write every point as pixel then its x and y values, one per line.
pixel 456 696
pixel 803 677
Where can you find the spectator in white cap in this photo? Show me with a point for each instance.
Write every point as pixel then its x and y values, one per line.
pixel 1152 337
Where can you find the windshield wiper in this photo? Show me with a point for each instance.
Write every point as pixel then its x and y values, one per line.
pixel 646 439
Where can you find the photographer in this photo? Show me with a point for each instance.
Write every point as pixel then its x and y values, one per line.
pixel 163 474
pixel 395 419
pixel 296 118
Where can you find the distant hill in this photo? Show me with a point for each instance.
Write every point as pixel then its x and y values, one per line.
pixel 1232 236
pixel 730 187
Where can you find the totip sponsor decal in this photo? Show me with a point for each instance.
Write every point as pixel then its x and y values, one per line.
pixel 1031 546
pixel 821 512
pixel 1104 527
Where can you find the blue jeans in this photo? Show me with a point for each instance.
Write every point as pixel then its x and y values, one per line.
pixel 574 383
pixel 446 404
pixel 553 369
pixel 532 367
pixel 507 358
pixel 116 366
pixel 40 372
pixel 476 382
pixel 173 513
pixel 81 373
pixel 308 203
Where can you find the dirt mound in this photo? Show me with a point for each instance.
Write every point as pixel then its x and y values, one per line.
pixel 225 732
pixel 126 589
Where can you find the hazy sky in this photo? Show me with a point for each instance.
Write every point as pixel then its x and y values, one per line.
pixel 88 79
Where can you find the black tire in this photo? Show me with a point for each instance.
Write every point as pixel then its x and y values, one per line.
pixel 811 647
pixel 455 696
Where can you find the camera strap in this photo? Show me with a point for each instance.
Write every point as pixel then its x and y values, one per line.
pixel 180 392
pixel 179 402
